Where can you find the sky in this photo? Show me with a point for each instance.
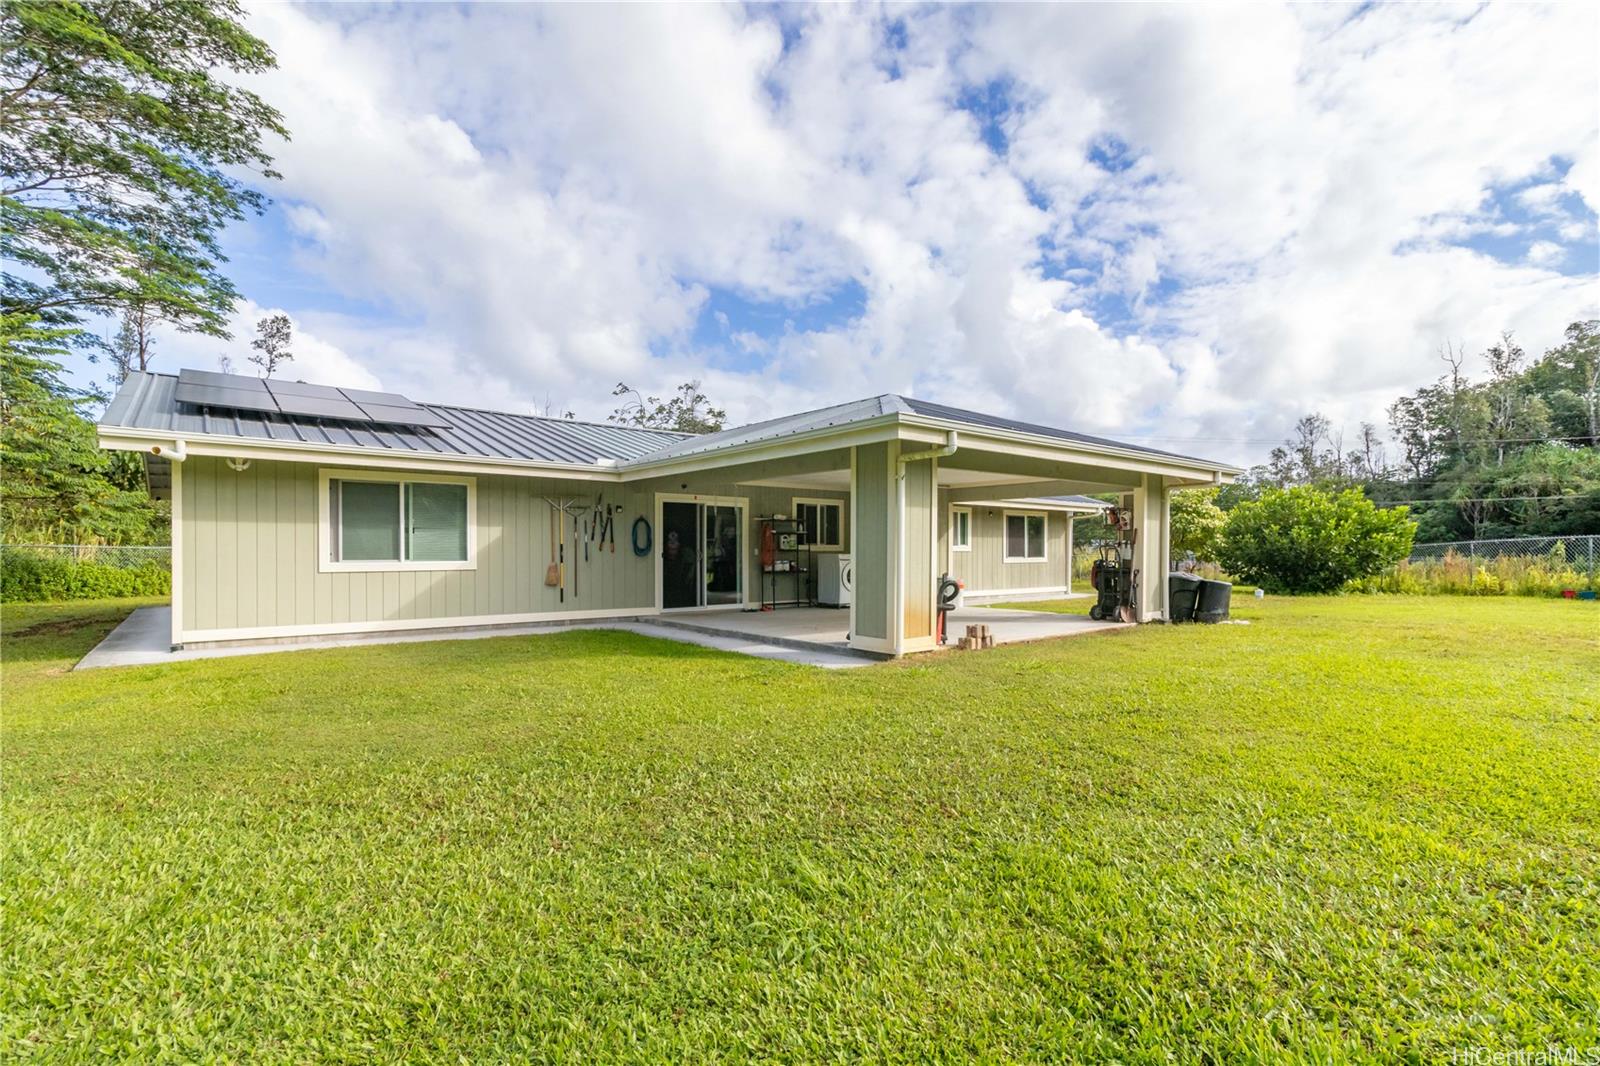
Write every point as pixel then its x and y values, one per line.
pixel 1181 225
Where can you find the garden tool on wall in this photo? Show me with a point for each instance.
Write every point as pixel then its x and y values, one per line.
pixel 560 508
pixel 552 573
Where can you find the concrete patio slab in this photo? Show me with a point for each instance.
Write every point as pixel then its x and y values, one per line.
pixel 145 639
pixel 829 626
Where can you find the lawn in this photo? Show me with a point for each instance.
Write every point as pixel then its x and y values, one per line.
pixel 1359 828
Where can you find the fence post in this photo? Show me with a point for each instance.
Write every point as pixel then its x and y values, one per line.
pixel 1591 556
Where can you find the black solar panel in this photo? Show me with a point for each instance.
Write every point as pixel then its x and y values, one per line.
pixel 301 388
pixel 297 398
pixel 404 416
pixel 221 381
pixel 314 401
pixel 214 396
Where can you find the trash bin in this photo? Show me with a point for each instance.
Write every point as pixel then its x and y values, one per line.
pixel 1213 603
pixel 1183 592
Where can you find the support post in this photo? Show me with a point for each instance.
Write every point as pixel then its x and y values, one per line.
pixel 1152 551
pixel 893 549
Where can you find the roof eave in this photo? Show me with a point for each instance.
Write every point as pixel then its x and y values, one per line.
pixel 132 439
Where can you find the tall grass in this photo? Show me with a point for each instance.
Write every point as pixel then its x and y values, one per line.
pixel 1550 574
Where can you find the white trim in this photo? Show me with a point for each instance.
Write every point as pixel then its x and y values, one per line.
pixel 850 636
pixel 1023 590
pixel 1005 537
pixel 325 561
pixel 658 544
pixel 955 509
pixel 820 502
pixel 402 625
pixel 897 426
pixel 877 644
pixel 137 440
pixel 897 546
pixel 1072 557
pixel 177 553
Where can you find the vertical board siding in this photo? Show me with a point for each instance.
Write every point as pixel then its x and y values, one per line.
pixel 870 544
pixel 250 555
pixel 984 569
pixel 251 543
pixel 916 542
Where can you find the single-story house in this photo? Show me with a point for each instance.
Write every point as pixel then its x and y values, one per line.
pixel 302 510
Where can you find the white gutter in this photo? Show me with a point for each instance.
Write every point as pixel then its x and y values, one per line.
pixel 951 444
pixel 177 453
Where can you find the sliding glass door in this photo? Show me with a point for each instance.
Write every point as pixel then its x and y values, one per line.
pixel 701 554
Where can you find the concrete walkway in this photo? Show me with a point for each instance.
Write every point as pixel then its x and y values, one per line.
pixel 145 639
pixel 810 636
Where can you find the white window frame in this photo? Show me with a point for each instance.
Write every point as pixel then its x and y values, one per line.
pixel 820 502
pixel 954 546
pixel 325 532
pixel 1005 538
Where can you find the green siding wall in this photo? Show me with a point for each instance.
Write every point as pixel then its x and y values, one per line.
pixel 917 540
pixel 870 546
pixel 250 556
pixel 984 569
pixel 763 500
pixel 250 547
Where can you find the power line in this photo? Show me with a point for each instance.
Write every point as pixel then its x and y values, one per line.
pixel 1281 440
pixel 1480 499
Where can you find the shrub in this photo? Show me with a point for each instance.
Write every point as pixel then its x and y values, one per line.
pixel 1307 540
pixel 28 577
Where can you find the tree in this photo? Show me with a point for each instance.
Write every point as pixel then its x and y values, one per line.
pixel 1569 377
pixel 122 132
pixel 56 484
pixel 273 335
pixel 1305 539
pixel 687 412
pixel 133 346
pixel 1197 524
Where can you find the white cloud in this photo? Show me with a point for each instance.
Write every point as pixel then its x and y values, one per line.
pixel 539 199
pixel 316 359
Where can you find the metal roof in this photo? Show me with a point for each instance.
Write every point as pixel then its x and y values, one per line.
pixel 147 402
pixel 887 404
pixel 1011 425
pixel 842 414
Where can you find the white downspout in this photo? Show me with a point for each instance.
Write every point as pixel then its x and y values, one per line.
pixel 177 453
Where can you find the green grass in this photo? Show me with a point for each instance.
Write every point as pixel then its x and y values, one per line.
pixel 1364 828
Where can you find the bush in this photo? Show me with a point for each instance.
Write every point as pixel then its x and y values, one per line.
pixel 1307 540
pixel 1197 524
pixel 27 577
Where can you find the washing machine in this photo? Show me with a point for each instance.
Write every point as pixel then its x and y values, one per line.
pixel 835 579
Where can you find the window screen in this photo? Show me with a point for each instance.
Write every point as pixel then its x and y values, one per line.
pixel 828 524
pixel 436 523
pixel 821 522
pixel 369 520
pixel 1024 536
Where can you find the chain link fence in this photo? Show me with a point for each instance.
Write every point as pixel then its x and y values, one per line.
pixel 120 556
pixel 1580 553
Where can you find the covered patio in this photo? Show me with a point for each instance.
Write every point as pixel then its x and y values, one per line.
pixel 829 627
pixel 899 467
